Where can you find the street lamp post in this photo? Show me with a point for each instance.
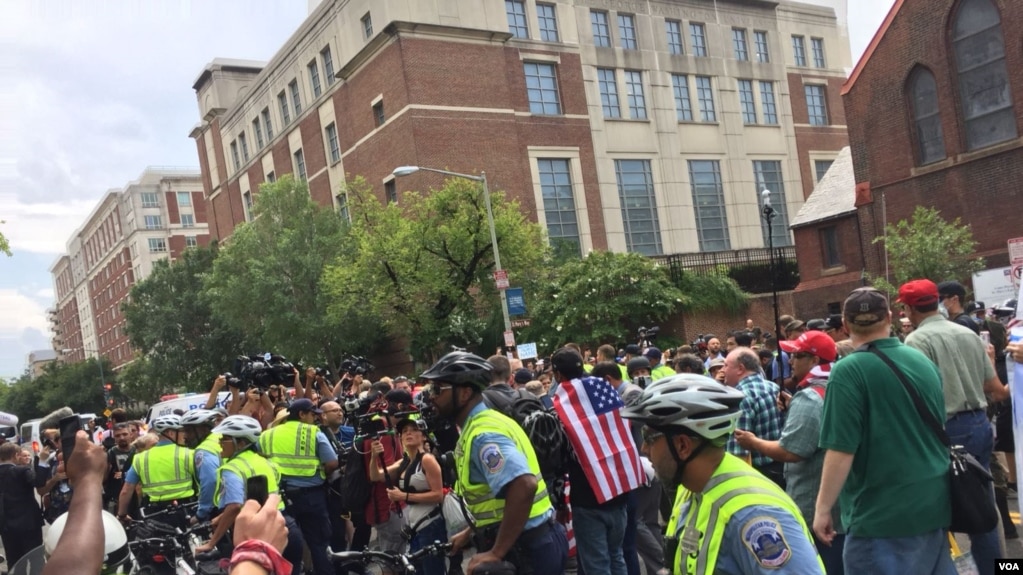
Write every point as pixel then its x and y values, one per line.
pixel 482 178
pixel 768 213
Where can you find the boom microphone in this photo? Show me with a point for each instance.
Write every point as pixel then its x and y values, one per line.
pixel 52 421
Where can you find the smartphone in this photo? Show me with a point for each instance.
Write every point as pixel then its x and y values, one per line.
pixel 256 488
pixel 69 427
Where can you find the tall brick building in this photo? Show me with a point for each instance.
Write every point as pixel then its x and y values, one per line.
pixel 630 125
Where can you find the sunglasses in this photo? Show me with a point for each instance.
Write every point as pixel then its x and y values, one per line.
pixel 434 389
pixel 650 435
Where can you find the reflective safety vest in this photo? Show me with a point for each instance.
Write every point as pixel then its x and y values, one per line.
pixel 211 444
pixel 733 487
pixel 292 447
pixel 167 472
pixel 661 371
pixel 248 464
pixel 484 504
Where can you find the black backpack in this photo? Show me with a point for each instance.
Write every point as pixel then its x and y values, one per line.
pixel 540 423
pixel 355 488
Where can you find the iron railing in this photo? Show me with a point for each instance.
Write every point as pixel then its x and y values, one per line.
pixel 750 268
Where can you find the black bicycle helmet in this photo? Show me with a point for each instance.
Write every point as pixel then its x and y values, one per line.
pixel 460 368
pixel 637 363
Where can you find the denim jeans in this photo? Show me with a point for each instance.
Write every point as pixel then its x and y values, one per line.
pixel 831 555
pixel 431 564
pixel 973 431
pixel 629 552
pixel 926 554
pixel 598 538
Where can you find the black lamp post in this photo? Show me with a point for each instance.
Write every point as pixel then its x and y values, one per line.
pixel 769 213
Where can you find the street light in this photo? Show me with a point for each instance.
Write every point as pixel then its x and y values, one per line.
pixel 99 359
pixel 482 178
pixel 768 213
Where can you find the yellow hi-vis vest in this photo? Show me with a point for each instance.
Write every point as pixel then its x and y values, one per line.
pixel 167 472
pixel 248 464
pixel 733 487
pixel 484 505
pixel 292 447
pixel 211 444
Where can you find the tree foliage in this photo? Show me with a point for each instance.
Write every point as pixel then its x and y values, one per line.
pixel 76 385
pixel 425 265
pixel 5 246
pixel 927 246
pixel 266 282
pixel 170 321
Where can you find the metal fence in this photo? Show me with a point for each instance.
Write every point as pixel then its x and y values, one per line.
pixel 750 268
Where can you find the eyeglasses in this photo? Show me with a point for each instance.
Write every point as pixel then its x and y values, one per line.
pixel 650 435
pixel 436 389
pixel 801 355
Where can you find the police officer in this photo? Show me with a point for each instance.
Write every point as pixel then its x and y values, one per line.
pixel 303 454
pixel 198 425
pixel 498 473
pixel 727 517
pixel 166 471
pixel 238 435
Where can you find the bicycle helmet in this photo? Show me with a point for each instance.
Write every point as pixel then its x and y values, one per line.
pixel 115 542
pixel 637 363
pixel 240 426
pixel 165 423
pixel 689 401
pixel 200 417
pixel 460 368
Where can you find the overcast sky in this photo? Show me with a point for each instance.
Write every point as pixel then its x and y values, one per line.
pixel 92 92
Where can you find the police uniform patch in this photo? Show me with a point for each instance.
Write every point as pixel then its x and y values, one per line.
pixel 198 459
pixel 764 538
pixel 491 457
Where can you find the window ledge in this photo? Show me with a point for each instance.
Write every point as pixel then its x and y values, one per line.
pixel 990 150
pixel 697 123
pixel 833 271
pixel 629 120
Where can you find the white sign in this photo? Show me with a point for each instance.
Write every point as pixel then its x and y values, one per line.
pixel 993 286
pixel 527 350
pixel 1017 275
pixel 1016 250
pixel 509 339
pixel 501 278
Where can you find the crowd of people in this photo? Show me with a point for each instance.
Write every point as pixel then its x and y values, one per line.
pixel 735 454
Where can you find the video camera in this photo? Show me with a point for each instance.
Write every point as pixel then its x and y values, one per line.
pixel 356 365
pixel 260 372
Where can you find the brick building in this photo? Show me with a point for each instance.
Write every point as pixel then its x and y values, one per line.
pixel 639 125
pixel 155 217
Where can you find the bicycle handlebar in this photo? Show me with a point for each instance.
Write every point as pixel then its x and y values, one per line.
pixel 392 557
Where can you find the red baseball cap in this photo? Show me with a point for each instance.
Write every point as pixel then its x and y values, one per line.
pixel 816 342
pixel 918 292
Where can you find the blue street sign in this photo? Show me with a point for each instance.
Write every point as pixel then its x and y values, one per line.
pixel 516 301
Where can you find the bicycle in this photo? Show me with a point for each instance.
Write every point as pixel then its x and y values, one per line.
pixel 375 562
pixel 163 549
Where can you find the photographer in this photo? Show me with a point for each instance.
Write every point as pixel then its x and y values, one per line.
pixel 257 405
pixel 377 426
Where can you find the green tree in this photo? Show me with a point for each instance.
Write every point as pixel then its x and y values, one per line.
pixel 23 398
pixel 171 323
pixel 5 246
pixel 266 282
pixel 927 246
pixel 425 265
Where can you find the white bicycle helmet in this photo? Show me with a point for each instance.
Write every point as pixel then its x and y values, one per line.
pixel 240 426
pixel 199 417
pixel 690 401
pixel 115 542
pixel 165 423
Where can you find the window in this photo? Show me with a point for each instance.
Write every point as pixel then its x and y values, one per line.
pixel 705 96
pixel 271 177
pixel 157 245
pixel 367 26
pixel 683 105
pixel 930 141
pixel 673 29
pixel 300 164
pixel 547 16
pixel 282 100
pixel 767 103
pixel 296 97
pixel 187 221
pixel 768 177
pixel 639 206
pixel 829 247
pixel 332 145
pixel 821 167
pixel 516 10
pixel 608 93
pixel 559 204
pixel 153 222
pixel 627 31
pixel 247 200
pixel 391 191
pixel 601 29
pixel 258 130
pixel 234 155
pixel 184 199
pixel 268 124
pixel 328 64
pixel 760 43
pixel 191 242
pixel 378 113
pixel 314 77
pixel 817 46
pixel 244 146
pixel 698 36
pixel 542 88
pixel 150 200
pixel 342 207
pixel 709 205
pixel 984 93
pixel 747 102
pixel 816 107
pixel 739 44
pixel 634 94
pixel 799 50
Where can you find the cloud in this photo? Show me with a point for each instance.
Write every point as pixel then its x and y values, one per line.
pixel 20 313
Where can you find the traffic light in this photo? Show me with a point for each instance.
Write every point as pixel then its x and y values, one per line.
pixel 108 398
pixel 108 387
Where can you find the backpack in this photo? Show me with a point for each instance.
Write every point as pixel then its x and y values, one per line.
pixel 354 486
pixel 540 423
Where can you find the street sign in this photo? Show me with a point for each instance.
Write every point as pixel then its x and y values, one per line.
pixel 516 301
pixel 1016 250
pixel 501 279
pixel 509 338
pixel 1017 275
pixel 107 412
pixel 522 322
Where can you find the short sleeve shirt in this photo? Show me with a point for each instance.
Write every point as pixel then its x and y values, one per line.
pixel 961 358
pixel 325 453
pixel 801 436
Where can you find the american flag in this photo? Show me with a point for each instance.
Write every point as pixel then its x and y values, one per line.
pixel 590 410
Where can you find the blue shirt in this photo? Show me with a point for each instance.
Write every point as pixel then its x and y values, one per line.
pixel 499 475
pixel 232 489
pixel 325 453
pixel 206 465
pixel 133 477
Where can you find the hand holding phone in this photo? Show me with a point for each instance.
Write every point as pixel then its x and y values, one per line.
pixel 256 489
pixel 69 427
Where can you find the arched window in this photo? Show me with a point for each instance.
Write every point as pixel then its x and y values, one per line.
pixel 923 93
pixel 984 93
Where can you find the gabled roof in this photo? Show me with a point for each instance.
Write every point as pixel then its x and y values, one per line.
pixel 862 63
pixel 833 196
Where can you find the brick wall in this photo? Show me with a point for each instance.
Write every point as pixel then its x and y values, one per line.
pixel 173 210
pixel 816 138
pixel 199 208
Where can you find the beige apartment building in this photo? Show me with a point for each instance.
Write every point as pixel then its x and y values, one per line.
pixel 630 125
pixel 155 217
